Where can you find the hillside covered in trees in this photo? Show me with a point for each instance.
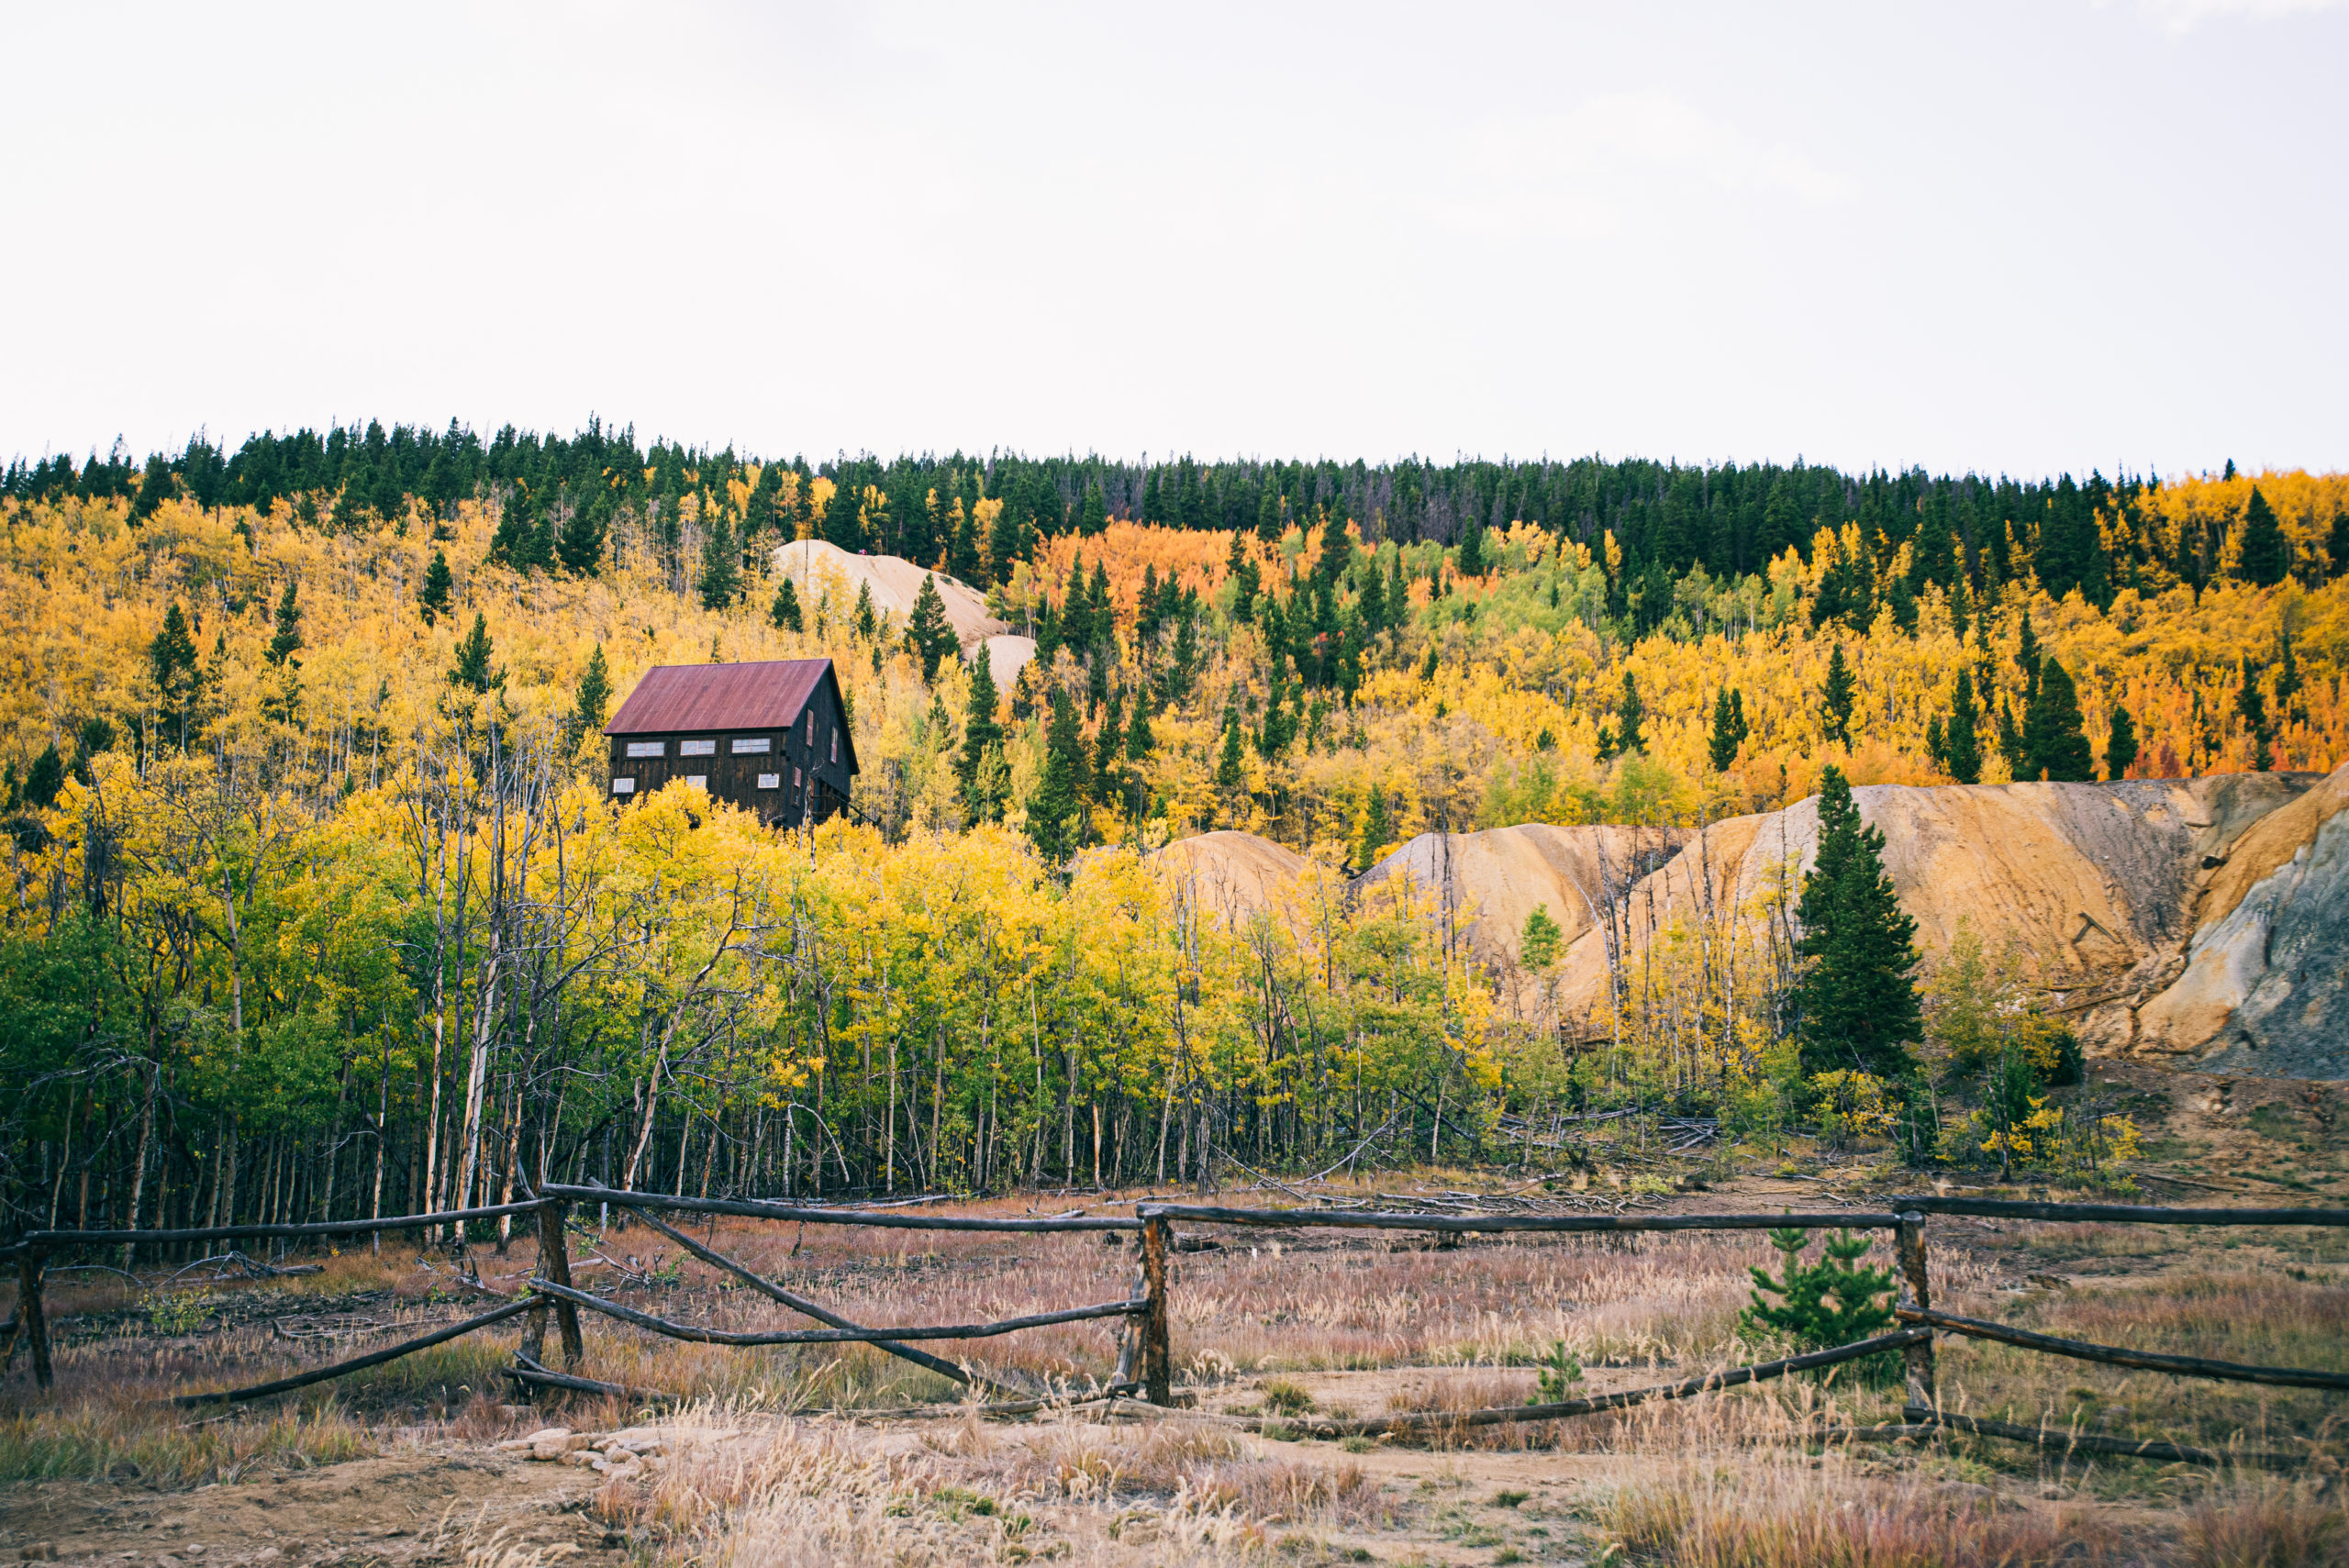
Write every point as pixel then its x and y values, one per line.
pixel 319 907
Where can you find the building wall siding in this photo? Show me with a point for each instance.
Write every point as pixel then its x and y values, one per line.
pixel 734 779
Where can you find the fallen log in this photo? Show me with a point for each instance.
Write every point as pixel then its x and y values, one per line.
pixel 687 1331
pixel 2089 1442
pixel 358 1363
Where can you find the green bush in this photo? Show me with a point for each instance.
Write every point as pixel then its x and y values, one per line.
pixel 1829 1303
pixel 1558 1371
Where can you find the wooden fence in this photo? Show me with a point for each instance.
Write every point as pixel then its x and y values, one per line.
pixel 1146 1361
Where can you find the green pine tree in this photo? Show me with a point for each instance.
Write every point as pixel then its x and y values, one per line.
pixel 1469 560
pixel 865 622
pixel 1061 790
pixel 2054 737
pixel 1005 543
pixel 979 733
pixel 843 515
pixel 1139 741
pixel 928 632
pixel 2251 706
pixel 721 562
pixel 587 708
pixel 288 639
pixel 1269 527
pixel 1961 742
pixel 433 600
pixel 1094 517
pixel 473 669
pixel 784 614
pixel 1839 693
pixel 1108 749
pixel 2265 557
pixel 1538 943
pixel 580 546
pixel 46 778
pixel 2119 744
pixel 1729 729
pixel 1857 1008
pixel 1629 715
pixel 1230 777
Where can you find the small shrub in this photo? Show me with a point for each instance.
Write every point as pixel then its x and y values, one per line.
pixel 1285 1397
pixel 1827 1303
pixel 1557 1373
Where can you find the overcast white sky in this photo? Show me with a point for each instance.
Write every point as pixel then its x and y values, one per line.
pixel 2012 237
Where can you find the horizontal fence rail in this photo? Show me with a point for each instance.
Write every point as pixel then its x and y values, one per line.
pixel 360 1364
pixel 2144 1361
pixel 1374 1219
pixel 748 1209
pixel 2115 1213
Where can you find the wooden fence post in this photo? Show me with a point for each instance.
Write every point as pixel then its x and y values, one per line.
pixel 1909 1242
pixel 1157 1355
pixel 29 1318
pixel 554 1263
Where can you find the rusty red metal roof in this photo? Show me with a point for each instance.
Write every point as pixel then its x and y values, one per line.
pixel 766 696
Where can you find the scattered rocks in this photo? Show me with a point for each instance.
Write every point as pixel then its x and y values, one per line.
pixel 621 1452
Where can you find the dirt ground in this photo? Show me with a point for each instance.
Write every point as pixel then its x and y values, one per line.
pixel 409 1505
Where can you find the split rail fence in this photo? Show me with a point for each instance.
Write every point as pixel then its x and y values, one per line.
pixel 1145 1363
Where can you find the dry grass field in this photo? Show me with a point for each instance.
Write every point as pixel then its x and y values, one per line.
pixel 834 1454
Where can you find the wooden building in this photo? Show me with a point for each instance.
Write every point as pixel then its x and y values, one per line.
pixel 767 737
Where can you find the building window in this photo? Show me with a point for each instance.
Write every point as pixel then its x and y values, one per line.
pixel 647 748
pixel 811 726
pixel 623 787
pixel 696 781
pixel 836 745
pixel 795 778
pixel 750 745
pixel 697 747
pixel 770 781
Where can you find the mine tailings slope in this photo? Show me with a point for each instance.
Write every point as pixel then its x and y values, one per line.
pixel 1492 880
pixel 2204 922
pixel 1228 876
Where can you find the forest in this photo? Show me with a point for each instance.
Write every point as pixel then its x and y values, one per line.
pixel 320 909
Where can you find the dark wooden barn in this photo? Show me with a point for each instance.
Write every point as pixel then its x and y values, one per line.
pixel 767 737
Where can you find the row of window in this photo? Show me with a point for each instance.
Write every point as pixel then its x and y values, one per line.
pixel 742 745
pixel 701 781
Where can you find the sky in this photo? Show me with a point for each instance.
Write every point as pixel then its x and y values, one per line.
pixel 2021 238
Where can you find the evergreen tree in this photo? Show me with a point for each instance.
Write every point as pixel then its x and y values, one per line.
pixel 2250 705
pixel 721 564
pixel 473 669
pixel 155 487
pixel 963 549
pixel 1629 715
pixel 2265 557
pixel 2027 659
pixel 1961 743
pixel 288 639
pixel 844 514
pixel 1004 542
pixel 1139 739
pixel 1858 1009
pixel 865 624
pixel 2054 737
pixel 1230 778
pixel 980 731
pixel 1108 749
pixel 1470 559
pixel 928 633
pixel 432 599
pixel 784 614
pixel 1061 788
pixel 1268 514
pixel 1094 517
pixel 587 709
pixel 1377 829
pixel 47 777
pixel 1729 729
pixel 2009 739
pixel 1840 693
pixel 1372 604
pixel 2119 744
pixel 171 658
pixel 2336 545
pixel 580 546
